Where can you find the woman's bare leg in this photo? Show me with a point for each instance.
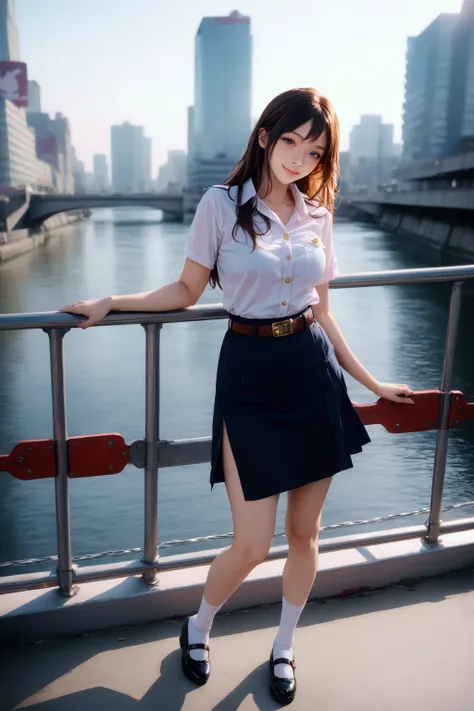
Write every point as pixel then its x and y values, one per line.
pixel 303 519
pixel 302 524
pixel 254 525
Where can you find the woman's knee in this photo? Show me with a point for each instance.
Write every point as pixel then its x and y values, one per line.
pixel 251 553
pixel 302 537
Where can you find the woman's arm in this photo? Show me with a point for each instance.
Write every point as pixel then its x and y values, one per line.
pixel 347 359
pixel 184 292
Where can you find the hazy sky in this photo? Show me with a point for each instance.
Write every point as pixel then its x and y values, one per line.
pixel 106 61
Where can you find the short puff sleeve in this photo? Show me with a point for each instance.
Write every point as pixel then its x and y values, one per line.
pixel 331 270
pixel 204 235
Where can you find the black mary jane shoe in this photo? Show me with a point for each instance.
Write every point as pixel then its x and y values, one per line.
pixel 282 690
pixel 194 670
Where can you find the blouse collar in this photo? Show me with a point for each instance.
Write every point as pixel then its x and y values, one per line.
pixel 248 192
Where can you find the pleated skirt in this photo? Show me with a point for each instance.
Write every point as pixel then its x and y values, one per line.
pixel 286 409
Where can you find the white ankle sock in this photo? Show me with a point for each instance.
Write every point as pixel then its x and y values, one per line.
pixel 283 644
pixel 199 628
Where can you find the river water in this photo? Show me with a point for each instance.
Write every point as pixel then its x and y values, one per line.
pixel 398 332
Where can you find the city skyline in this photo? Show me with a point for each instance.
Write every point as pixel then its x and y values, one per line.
pixel 88 86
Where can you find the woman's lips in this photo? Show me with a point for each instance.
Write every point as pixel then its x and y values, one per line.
pixel 291 172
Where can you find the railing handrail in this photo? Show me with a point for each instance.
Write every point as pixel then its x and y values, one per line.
pixel 207 312
pixel 57 325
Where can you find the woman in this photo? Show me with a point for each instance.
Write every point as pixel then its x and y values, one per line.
pixel 283 420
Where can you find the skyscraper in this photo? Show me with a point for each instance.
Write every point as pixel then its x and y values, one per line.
pixel 144 185
pixel 460 119
pixel 372 154
pixel 101 172
pixel 172 175
pixel 9 42
pixel 438 111
pixel 34 97
pixel 131 158
pixel 62 129
pixel 222 85
pixel 219 121
pixel 19 165
pixel 53 145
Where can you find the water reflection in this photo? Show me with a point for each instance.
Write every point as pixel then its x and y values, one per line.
pixel 398 332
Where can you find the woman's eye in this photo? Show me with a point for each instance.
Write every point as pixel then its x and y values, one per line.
pixel 288 141
pixel 315 155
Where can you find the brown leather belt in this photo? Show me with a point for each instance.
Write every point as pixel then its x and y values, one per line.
pixel 275 329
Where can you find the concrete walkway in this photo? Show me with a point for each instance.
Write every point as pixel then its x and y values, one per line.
pixel 403 648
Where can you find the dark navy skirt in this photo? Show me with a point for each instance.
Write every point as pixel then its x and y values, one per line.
pixel 287 412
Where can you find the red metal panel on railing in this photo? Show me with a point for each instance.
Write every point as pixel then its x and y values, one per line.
pixel 460 409
pixel 401 417
pixel 103 454
pixel 89 455
pixel 31 459
pixel 420 417
pixel 96 455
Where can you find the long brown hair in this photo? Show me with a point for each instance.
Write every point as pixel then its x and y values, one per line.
pixel 285 113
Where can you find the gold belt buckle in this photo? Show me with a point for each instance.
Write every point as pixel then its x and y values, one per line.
pixel 283 328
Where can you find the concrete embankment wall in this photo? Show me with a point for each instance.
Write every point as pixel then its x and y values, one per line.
pixel 17 242
pixel 449 237
pixel 455 239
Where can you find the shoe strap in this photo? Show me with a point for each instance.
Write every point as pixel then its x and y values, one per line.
pixel 282 660
pixel 198 646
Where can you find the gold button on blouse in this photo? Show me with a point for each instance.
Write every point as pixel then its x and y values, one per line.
pixel 287 280
pixel 288 258
pixel 285 236
pixel 283 303
pixel 316 240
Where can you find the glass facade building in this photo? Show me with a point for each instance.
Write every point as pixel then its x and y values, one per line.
pixel 131 159
pixel 438 111
pixel 219 123
pixel 9 40
pixel 19 165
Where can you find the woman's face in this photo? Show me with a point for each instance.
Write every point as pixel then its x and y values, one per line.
pixel 294 157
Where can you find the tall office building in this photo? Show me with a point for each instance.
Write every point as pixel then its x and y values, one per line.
pixel 131 158
pixel 47 146
pixel 19 165
pixel 172 175
pixel 34 98
pixel 62 129
pixel 53 145
pixel 460 118
pixel 78 172
pixel 101 172
pixel 222 85
pixel 144 185
pixel 372 155
pixel 219 122
pixel 9 40
pixel 438 112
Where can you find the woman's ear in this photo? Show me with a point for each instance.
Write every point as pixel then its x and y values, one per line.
pixel 262 138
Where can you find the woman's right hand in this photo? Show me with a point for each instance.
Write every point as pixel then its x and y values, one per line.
pixel 95 310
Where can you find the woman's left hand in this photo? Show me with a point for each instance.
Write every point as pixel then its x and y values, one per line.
pixel 395 392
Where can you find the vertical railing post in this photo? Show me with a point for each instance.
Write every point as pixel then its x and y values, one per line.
pixel 152 425
pixel 63 521
pixel 439 467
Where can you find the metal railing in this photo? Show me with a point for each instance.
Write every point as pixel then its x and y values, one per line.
pixel 153 453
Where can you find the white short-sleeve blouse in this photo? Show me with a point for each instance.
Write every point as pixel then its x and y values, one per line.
pixel 278 278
